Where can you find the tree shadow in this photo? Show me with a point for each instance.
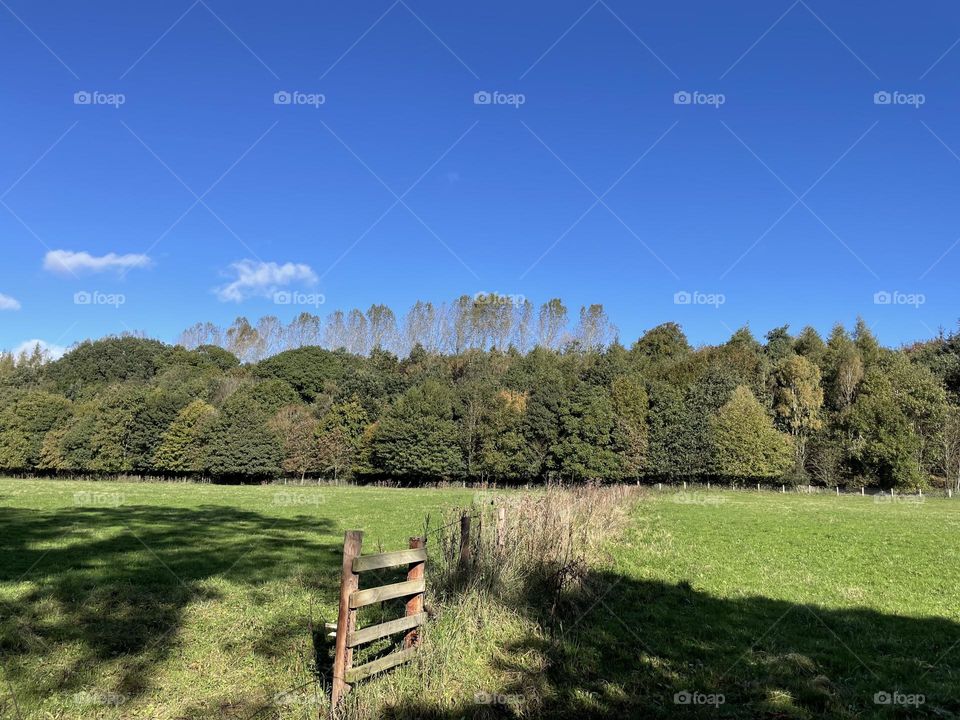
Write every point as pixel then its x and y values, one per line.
pixel 629 648
pixel 110 585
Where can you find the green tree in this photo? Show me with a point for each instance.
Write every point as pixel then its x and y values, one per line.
pixel 883 449
pixel 418 436
pixel 631 436
pixel 843 369
pixel 745 443
pixel 797 401
pixel 342 440
pixel 242 445
pixel 25 423
pixel 585 447
pixel 183 446
pixel 296 427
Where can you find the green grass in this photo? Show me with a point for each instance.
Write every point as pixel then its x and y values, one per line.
pixel 787 605
pixel 194 601
pixel 177 600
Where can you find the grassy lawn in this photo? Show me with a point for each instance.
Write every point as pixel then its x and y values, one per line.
pixel 787 605
pixel 177 600
pixel 190 601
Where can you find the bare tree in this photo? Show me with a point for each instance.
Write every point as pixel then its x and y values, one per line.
pixel 523 338
pixel 357 341
pixel 244 341
pixel 335 332
pixel 421 327
pixel 382 325
pixel 552 324
pixel 271 332
pixel 595 330
pixel 303 331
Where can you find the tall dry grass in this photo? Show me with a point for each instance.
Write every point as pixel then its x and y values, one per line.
pixel 522 579
pixel 527 547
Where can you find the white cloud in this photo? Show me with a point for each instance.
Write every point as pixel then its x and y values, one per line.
pixel 49 350
pixel 67 261
pixel 262 279
pixel 8 303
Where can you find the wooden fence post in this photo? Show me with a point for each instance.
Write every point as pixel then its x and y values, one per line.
pixel 501 530
pixel 464 540
pixel 415 603
pixel 346 618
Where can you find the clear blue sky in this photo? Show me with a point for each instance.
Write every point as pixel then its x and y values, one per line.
pixel 503 198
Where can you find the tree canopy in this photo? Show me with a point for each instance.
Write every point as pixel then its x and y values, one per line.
pixel 488 388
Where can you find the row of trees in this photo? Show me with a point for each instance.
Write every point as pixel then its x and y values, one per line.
pixel 794 408
pixel 485 321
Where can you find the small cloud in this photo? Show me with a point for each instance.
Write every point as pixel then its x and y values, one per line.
pixel 69 262
pixel 48 350
pixel 8 303
pixel 262 279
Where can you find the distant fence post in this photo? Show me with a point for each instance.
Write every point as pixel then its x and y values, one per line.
pixel 464 540
pixel 346 618
pixel 415 603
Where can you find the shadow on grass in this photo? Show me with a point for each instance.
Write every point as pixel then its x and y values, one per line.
pixel 109 585
pixel 644 649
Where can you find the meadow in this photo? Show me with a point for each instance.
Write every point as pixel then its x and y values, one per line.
pixel 194 601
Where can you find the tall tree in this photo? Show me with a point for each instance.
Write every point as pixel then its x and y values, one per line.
pixel 797 401
pixel 745 443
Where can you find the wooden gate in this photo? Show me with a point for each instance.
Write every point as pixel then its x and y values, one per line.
pixel 353 598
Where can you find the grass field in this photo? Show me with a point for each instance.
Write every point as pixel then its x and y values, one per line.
pixel 176 600
pixel 187 601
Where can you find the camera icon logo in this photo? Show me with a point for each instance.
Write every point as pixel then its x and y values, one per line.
pixel 82 97
pixel 283 297
pixel 482 97
pixel 682 97
pixel 882 97
pixel 882 298
pixel 82 298
pixel 282 97
pixel 682 298
pixel 882 698
pixel 683 698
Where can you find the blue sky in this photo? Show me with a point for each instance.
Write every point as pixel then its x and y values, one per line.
pixel 786 187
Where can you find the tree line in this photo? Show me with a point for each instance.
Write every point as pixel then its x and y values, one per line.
pixel 489 390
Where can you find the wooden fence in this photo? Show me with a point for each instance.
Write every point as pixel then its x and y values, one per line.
pixel 352 598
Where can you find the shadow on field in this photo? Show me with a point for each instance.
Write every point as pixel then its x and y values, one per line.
pixel 640 649
pixel 109 585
